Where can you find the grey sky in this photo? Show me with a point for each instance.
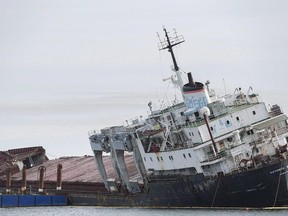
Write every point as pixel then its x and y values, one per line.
pixel 70 66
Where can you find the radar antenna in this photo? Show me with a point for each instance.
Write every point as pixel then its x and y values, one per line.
pixel 169 43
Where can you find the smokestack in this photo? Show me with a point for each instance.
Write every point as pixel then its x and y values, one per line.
pixel 190 78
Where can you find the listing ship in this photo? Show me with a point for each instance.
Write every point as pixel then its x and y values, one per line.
pixel 206 151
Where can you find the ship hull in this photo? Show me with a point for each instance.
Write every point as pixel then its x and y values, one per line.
pixel 261 187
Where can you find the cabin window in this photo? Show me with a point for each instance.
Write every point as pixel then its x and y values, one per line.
pixel 144 159
pixel 286 139
pixel 250 132
pixel 184 155
pixel 229 139
pixel 222 145
pixel 171 157
pixel 192 134
pixel 158 159
pixel 151 159
pixel 189 154
pixel 247 154
pixel 254 112
pixel 211 128
pixel 161 158
pixel 169 118
pixel 237 118
pixel 227 122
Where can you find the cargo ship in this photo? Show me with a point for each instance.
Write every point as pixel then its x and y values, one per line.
pixel 207 151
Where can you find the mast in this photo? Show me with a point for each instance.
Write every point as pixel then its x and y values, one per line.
pixel 169 43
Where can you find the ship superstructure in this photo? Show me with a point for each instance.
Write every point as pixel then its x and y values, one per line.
pixel 204 151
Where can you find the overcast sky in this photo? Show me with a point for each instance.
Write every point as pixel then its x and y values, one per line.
pixel 69 66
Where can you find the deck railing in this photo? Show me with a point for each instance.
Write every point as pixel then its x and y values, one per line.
pixel 212 157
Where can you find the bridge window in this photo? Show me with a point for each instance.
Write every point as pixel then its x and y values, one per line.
pixel 189 154
pixel 184 155
pixel 237 118
pixel 254 112
pixel 151 159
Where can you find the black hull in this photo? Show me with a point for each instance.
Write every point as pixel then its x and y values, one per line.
pixel 262 187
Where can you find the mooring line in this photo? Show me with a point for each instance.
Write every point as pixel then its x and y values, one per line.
pixel 276 195
pixel 216 191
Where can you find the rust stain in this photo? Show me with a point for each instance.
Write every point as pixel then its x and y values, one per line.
pixel 78 169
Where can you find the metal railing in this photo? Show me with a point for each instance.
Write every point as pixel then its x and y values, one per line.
pixel 212 157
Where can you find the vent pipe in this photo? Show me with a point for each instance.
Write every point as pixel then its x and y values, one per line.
pixel 42 170
pixel 59 177
pixel 24 179
pixel 8 181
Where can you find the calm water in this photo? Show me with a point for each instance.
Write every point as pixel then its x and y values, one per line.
pixel 44 211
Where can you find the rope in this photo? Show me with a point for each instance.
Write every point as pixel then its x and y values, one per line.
pixel 216 190
pixel 276 195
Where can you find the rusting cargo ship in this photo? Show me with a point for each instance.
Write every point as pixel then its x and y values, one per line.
pixel 207 151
